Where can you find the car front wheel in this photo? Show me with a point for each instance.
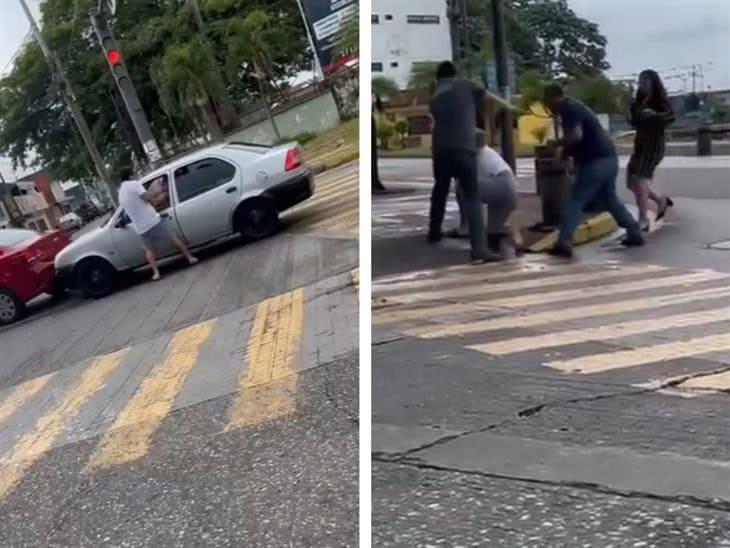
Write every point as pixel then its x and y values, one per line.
pixel 95 278
pixel 11 308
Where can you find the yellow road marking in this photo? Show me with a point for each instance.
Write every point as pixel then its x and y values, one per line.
pixel 47 429
pixel 21 394
pixel 607 290
pixel 130 435
pixel 565 314
pixel 620 359
pixel 603 332
pixel 495 275
pixel 539 283
pixel 268 388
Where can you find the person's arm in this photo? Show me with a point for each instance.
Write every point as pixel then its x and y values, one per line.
pixel 665 115
pixel 148 196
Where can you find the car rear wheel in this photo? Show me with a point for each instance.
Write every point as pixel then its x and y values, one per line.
pixel 11 308
pixel 257 219
pixel 95 278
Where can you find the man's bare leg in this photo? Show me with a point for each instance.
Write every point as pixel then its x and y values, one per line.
pixel 182 248
pixel 151 259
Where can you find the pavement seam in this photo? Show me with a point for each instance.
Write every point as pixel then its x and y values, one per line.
pixel 537 409
pixel 688 500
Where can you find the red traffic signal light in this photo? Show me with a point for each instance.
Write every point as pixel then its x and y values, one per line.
pixel 113 56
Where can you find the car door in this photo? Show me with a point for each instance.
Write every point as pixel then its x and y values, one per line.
pixel 206 192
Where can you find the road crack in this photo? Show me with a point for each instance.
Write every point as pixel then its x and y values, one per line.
pixel 688 500
pixel 534 410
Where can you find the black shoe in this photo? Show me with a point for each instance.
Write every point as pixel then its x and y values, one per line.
pixel 633 241
pixel 487 257
pixel 663 210
pixel 561 250
pixel 434 237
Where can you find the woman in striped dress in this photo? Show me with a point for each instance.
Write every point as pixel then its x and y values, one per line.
pixel 650 114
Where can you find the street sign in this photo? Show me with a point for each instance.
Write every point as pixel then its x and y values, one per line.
pixel 325 19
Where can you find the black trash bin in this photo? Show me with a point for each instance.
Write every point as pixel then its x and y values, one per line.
pixel 704 141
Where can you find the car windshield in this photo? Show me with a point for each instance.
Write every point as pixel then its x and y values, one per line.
pixel 10 237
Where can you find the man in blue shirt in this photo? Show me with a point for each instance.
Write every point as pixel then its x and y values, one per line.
pixel 596 167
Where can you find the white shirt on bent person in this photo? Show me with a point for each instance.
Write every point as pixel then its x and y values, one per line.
pixel 143 215
pixel 490 164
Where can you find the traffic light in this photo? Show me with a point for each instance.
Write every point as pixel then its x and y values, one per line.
pixel 126 88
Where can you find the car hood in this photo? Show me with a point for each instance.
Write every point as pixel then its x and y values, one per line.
pixel 97 242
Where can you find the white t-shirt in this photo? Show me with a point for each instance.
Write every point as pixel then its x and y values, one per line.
pixel 142 214
pixel 490 163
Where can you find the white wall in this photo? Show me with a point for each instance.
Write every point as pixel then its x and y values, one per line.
pixel 396 41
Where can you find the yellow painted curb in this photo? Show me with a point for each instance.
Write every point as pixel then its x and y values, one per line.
pixel 593 229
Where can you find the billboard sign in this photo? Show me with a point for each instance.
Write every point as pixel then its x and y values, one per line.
pixel 325 19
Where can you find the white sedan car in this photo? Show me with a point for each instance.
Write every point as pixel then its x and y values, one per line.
pixel 213 193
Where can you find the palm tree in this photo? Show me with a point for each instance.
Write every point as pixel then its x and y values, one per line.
pixel 252 39
pixel 186 85
pixel 385 87
pixel 423 76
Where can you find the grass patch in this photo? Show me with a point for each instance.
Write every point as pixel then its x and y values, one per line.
pixel 345 136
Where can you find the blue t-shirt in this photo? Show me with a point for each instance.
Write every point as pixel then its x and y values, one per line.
pixel 596 143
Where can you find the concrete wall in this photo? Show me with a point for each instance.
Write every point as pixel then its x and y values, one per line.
pixel 312 116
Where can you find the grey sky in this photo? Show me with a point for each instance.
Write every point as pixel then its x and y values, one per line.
pixel 663 34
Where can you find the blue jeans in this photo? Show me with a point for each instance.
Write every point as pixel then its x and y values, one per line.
pixel 595 182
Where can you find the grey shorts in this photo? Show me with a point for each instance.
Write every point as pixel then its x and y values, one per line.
pixel 155 235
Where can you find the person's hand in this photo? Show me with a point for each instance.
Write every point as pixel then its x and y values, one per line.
pixel 648 113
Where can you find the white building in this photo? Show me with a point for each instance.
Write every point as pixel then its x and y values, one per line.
pixel 407 32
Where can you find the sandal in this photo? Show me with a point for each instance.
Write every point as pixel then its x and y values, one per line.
pixel 663 210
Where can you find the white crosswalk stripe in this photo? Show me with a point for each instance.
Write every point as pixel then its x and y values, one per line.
pixel 649 320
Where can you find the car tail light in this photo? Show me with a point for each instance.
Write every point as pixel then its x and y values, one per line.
pixel 293 159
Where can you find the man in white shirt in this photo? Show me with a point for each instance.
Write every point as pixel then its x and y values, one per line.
pixel 498 191
pixel 139 205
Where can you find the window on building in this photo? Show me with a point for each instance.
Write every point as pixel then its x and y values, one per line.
pixel 423 19
pixel 388 17
pixel 394 64
pixel 377 67
pixel 375 19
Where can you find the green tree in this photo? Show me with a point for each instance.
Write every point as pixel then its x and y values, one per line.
pixel 33 119
pixel 531 85
pixel 385 87
pixel 385 130
pixel 401 128
pixel 348 42
pixel 598 93
pixel 423 76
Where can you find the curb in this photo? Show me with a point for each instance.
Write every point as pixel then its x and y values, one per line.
pixel 593 229
pixel 319 166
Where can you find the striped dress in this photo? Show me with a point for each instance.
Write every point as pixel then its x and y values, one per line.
pixel 649 140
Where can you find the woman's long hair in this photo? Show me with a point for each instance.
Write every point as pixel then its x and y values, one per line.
pixel 659 98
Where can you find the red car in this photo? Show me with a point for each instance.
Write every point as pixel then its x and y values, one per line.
pixel 26 268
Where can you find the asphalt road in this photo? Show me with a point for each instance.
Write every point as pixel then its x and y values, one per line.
pixel 195 411
pixel 552 404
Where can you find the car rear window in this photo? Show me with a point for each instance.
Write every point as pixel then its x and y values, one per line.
pixel 10 237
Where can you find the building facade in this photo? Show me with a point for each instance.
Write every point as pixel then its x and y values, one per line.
pixel 407 32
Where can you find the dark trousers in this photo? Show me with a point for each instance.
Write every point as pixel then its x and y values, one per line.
pixel 596 183
pixel 375 176
pixel 457 164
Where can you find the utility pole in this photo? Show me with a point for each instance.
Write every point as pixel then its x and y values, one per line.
pixel 70 99
pixel 452 12
pixel 500 51
pixel 227 110
pixel 466 46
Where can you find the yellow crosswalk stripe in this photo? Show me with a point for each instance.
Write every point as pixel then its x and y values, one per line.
pixel 719 382
pixel 603 290
pixel 345 221
pixel 566 314
pixel 356 281
pixel 20 394
pixel 509 285
pixel 50 426
pixel 130 435
pixel 268 388
pixel 620 359
pixel 603 332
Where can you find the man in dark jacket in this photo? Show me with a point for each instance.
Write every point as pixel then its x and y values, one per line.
pixel 455 108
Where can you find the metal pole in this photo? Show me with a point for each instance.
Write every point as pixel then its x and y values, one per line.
pixel 318 72
pixel 70 98
pixel 500 51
